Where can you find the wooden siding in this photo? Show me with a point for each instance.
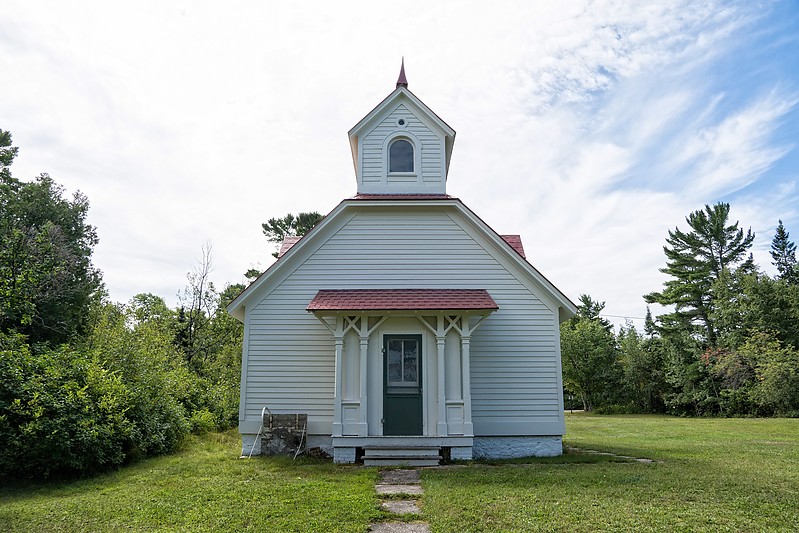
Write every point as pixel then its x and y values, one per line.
pixel 513 353
pixel 373 167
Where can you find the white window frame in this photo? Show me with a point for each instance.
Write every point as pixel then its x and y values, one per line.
pixel 417 154
pixel 413 156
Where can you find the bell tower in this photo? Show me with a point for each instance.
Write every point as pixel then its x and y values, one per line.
pixel 401 146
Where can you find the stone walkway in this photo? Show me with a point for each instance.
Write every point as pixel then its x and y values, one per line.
pixel 398 487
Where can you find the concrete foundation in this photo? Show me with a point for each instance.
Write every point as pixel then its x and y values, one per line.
pixel 484 447
pixel 458 453
pixel 513 447
pixel 344 455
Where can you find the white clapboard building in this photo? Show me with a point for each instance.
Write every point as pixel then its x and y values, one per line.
pixel 403 326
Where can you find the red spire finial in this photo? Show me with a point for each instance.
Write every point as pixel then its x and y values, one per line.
pixel 401 81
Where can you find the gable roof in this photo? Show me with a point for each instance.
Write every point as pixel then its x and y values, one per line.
pixel 515 242
pixel 401 299
pixel 288 242
pixel 315 238
pixel 400 95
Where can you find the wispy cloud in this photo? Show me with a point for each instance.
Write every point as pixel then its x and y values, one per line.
pixel 730 155
pixel 627 131
pixel 588 127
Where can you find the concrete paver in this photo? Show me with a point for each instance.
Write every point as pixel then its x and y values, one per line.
pixel 401 481
pixel 399 489
pixel 401 506
pixel 399 477
pixel 399 527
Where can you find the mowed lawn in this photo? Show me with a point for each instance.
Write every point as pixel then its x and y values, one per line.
pixel 709 474
pixel 205 487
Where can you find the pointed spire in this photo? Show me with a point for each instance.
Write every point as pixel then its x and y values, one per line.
pixel 402 81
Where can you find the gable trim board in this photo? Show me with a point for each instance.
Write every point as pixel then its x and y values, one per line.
pixel 344 212
pixel 395 98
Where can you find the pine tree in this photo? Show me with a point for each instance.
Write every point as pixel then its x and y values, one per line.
pixel 277 229
pixel 783 251
pixel 649 323
pixel 7 154
pixel 695 260
pixel 590 310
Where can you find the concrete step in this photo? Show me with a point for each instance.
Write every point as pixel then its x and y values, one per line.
pixel 401 456
pixel 421 451
pixel 402 461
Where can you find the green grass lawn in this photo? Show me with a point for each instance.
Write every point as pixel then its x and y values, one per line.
pixel 710 474
pixel 206 487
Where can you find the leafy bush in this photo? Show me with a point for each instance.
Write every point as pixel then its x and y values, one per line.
pixel 151 368
pixel 202 421
pixel 619 409
pixel 125 393
pixel 60 412
pixel 777 371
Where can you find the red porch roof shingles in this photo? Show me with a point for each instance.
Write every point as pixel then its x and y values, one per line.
pixel 401 299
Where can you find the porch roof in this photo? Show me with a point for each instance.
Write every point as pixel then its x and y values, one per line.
pixel 401 299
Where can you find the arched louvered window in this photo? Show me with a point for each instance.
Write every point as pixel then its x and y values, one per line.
pixel 400 156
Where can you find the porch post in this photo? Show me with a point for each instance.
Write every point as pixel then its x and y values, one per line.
pixel 363 425
pixel 441 427
pixel 339 378
pixel 468 427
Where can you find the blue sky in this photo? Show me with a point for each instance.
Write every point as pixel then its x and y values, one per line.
pixel 590 128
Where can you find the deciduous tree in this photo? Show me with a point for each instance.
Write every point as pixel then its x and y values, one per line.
pixel 47 280
pixel 588 354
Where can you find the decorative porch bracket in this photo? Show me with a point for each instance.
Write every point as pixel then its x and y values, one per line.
pixel 460 322
pixel 344 324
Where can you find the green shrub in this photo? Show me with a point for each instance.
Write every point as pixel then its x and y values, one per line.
pixel 60 412
pixel 777 370
pixel 151 368
pixel 202 421
pixel 619 409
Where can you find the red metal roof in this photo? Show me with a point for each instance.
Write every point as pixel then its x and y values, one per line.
pixel 401 299
pixel 402 197
pixel 288 242
pixel 515 242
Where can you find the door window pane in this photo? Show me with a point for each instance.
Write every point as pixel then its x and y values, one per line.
pixel 410 373
pixel 403 362
pixel 394 361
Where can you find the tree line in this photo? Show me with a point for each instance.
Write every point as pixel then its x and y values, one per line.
pixel 87 384
pixel 727 344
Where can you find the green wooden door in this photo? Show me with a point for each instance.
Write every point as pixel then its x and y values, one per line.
pixel 402 385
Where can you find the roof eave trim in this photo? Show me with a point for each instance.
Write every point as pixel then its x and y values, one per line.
pixel 473 311
pixel 396 93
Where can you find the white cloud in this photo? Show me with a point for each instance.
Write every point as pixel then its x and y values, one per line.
pixel 735 152
pixel 591 128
